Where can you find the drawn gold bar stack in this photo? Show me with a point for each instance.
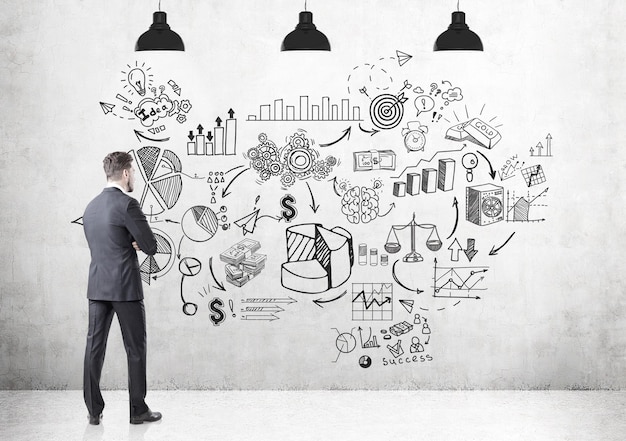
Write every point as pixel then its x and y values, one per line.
pixel 242 262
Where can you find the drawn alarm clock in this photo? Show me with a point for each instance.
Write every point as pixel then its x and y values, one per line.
pixel 414 136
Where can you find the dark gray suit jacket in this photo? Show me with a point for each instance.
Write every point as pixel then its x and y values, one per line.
pixel 112 221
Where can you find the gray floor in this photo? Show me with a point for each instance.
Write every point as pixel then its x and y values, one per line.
pixel 359 415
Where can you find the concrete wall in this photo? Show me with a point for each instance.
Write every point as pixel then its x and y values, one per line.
pixel 550 312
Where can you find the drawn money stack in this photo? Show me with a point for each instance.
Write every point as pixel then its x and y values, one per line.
pixel 318 259
pixel 242 262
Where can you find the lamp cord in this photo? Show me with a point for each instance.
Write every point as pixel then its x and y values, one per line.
pixel 159 5
pixel 457 5
pixel 305 5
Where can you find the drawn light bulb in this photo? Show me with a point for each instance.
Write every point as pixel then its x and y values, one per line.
pixel 137 79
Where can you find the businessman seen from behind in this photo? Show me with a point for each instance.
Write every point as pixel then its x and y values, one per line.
pixel 116 228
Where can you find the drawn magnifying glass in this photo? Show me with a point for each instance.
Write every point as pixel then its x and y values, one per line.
pixel 469 161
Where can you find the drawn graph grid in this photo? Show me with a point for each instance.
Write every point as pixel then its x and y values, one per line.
pixel 534 175
pixel 372 301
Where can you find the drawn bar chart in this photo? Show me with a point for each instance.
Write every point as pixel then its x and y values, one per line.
pixel 221 141
pixel 307 111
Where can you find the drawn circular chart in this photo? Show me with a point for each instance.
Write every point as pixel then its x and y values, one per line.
pixel 162 180
pixel 152 266
pixel 189 266
pixel 365 361
pixel 386 111
pixel 346 343
pixel 199 223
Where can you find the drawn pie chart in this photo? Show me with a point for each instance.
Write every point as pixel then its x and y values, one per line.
pixel 199 223
pixel 345 343
pixel 162 181
pixel 152 266
pixel 189 266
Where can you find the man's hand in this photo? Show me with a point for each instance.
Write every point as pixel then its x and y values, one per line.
pixel 136 246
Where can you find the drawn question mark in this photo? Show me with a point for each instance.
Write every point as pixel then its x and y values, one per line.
pixel 433 87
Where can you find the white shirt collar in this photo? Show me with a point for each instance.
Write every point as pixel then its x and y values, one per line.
pixel 113 184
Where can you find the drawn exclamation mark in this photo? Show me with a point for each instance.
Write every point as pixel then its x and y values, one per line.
pixel 434 116
pixel 230 305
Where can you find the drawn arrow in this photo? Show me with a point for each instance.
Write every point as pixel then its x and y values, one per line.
pixel 269 318
pixel 455 204
pixel 455 247
pixel 225 191
pixel 231 113
pixel 492 173
pixel 312 205
pixel 346 133
pixel 470 252
pixel 391 207
pixel 219 286
pixel 393 273
pixel 287 300
pixel 335 186
pixel 190 136
pixel 495 250
pixel 171 221
pixel 371 132
pixel 428 161
pixel 274 308
pixel 78 221
pixel 234 168
pixel 319 302
pixel 200 129
pixel 218 120
pixel 140 135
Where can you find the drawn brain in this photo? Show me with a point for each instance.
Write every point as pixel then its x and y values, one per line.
pixel 360 204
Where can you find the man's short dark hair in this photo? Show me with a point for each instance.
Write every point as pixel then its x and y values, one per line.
pixel 115 163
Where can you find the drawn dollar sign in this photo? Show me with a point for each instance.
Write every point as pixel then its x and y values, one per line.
pixel 217 315
pixel 289 211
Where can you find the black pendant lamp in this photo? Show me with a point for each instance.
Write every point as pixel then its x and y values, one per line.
pixel 458 36
pixel 305 37
pixel 160 36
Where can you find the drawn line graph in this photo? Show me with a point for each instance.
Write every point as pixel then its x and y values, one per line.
pixel 372 301
pixel 458 282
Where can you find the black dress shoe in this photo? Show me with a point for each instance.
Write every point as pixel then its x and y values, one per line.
pixel 94 420
pixel 146 417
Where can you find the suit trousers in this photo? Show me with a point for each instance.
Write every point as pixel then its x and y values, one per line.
pixel 132 319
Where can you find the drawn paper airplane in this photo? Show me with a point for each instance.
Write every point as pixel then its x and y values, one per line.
pixel 248 222
pixel 106 107
pixel 408 305
pixel 403 57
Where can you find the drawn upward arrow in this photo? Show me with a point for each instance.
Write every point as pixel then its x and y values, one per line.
pixel 319 302
pixel 455 204
pixel 371 132
pixel 218 121
pixel 200 129
pixel 312 205
pixel 225 191
pixel 219 286
pixel 391 207
pixel 455 247
pixel 231 113
pixel 140 135
pixel 495 250
pixel 492 173
pixel 346 133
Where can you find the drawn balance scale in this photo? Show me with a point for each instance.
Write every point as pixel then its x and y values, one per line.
pixel 393 246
